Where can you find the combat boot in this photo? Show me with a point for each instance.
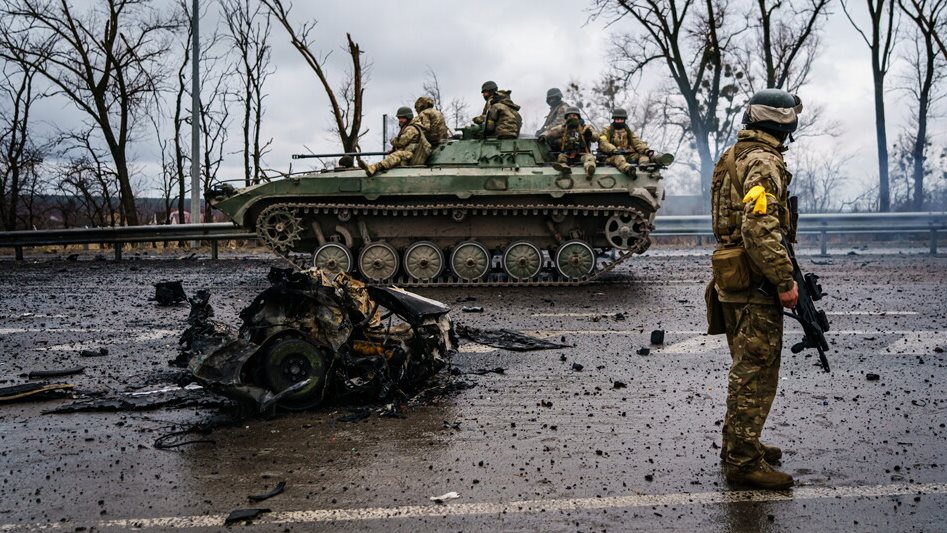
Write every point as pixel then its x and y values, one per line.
pixel 370 170
pixel 771 454
pixel 562 167
pixel 762 476
pixel 589 170
pixel 627 169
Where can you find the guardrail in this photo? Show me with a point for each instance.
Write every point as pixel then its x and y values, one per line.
pixel 825 224
pixel 698 226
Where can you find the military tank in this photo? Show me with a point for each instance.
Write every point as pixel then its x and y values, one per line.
pixel 481 211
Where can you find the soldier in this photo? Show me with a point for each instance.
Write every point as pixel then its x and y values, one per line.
pixel 410 147
pixel 621 144
pixel 574 140
pixel 750 210
pixel 431 121
pixel 501 117
pixel 557 112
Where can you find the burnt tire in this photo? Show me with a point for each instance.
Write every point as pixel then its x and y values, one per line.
pixel 288 361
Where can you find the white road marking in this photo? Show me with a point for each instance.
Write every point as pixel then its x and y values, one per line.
pixel 704 343
pixel 506 508
pixel 873 313
pixel 919 342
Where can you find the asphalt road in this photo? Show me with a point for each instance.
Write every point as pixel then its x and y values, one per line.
pixel 540 447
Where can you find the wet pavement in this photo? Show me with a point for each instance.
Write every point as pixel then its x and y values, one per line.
pixel 541 446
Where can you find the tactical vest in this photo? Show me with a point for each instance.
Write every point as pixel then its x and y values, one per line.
pixel 619 137
pixel 573 141
pixel 726 193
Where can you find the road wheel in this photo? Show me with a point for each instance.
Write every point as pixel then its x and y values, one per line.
pixel 423 261
pixel 575 260
pixel 378 262
pixel 522 260
pixel 288 361
pixel 470 260
pixel 333 258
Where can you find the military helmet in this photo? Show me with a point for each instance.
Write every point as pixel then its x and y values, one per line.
pixel 573 111
pixel 489 86
pixel 554 93
pixel 773 109
pixel 404 112
pixel 619 113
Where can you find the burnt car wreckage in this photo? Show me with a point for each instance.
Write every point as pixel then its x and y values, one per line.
pixel 312 335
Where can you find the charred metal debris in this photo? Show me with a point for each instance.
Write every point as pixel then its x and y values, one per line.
pixel 312 336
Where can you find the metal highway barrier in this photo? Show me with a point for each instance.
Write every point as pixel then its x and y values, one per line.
pixel 665 226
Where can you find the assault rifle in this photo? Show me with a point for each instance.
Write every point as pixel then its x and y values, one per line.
pixel 814 322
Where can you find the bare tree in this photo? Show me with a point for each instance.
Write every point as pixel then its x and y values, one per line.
pixel 248 28
pixel 785 43
pixel 88 176
pixel 347 114
pixel 457 110
pixel 106 61
pixel 817 179
pixel 927 72
pixel 691 40
pixel 884 34
pixel 432 87
pixel 215 120
pixel 19 154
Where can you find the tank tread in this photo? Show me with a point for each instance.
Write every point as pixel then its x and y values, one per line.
pixel 603 264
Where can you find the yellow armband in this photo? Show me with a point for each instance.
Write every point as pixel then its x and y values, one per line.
pixel 757 194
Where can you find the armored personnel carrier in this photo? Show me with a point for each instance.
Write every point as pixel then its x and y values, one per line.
pixel 482 211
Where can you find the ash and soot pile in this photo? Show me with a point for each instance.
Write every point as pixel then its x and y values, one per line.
pixel 312 337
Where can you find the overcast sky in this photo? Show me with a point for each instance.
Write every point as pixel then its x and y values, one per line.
pixel 525 46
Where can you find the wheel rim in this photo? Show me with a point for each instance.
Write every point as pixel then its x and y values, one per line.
pixel 623 231
pixel 278 227
pixel 289 361
pixel 470 261
pixel 575 259
pixel 522 260
pixel 332 257
pixel 423 261
pixel 378 261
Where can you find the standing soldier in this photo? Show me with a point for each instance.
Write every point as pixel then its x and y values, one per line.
pixel 431 121
pixel 501 117
pixel 621 144
pixel 557 112
pixel 750 211
pixel 574 140
pixel 410 147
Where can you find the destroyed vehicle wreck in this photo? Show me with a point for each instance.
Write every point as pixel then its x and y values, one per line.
pixel 312 336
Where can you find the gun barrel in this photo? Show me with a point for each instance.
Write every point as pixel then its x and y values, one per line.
pixel 343 154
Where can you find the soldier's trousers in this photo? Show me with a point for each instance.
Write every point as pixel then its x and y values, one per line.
pixel 396 158
pixel 588 160
pixel 755 336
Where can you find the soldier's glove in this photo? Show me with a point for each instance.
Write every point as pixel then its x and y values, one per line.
pixel 650 154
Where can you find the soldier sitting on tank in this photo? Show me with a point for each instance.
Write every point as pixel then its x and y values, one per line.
pixel 574 139
pixel 501 117
pixel 410 147
pixel 557 112
pixel 622 145
pixel 431 121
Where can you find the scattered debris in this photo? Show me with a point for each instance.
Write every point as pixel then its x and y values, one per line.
pixel 452 425
pixel 169 292
pixel 657 337
pixel 43 374
pixel 277 490
pixel 619 385
pixel 176 398
pixel 577 367
pixel 444 497
pixel 311 335
pixel 483 371
pixel 938 349
pixel 34 391
pixel 644 351
pixel 360 413
pixel 100 352
pixel 872 376
pixel 243 515
pixel 506 339
pixel 472 309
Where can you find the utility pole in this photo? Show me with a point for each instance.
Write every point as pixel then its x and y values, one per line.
pixel 384 132
pixel 195 119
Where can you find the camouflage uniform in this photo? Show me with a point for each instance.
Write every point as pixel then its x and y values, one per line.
pixel 556 117
pixel 406 147
pixel 575 144
pixel 431 121
pixel 501 117
pixel 753 321
pixel 615 139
